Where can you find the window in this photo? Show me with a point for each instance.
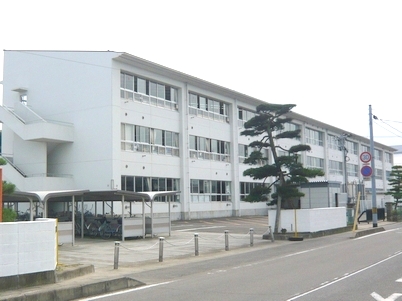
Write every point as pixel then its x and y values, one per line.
pixel 377 154
pixel 365 148
pixel 335 167
pixel 245 151
pixel 313 162
pixel 208 108
pixel 378 173
pixel 314 137
pixel 244 116
pixel 246 187
pixel 352 170
pixel 333 142
pixel 140 139
pixel 388 158
pixel 351 147
pixel 209 149
pixel 142 184
pixel 210 191
pixel 147 91
pixel 289 126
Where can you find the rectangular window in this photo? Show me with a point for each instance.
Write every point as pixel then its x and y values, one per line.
pixel 161 91
pixel 352 170
pixel 203 103
pixel 388 158
pixel 194 186
pixel 139 138
pixel 142 134
pixel 141 86
pixel 335 167
pixel 333 142
pixel 377 154
pixel 351 147
pixel 378 173
pixel 207 108
pixel 314 137
pixel 313 162
pixel 141 184
pixel 157 137
pixel 206 190
pixel 193 100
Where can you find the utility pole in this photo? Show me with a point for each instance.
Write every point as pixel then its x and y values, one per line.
pixel 373 187
pixel 342 147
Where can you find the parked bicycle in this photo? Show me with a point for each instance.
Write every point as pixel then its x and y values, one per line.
pixel 107 228
pixel 90 228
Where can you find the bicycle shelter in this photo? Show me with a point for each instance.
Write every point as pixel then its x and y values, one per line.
pixel 131 226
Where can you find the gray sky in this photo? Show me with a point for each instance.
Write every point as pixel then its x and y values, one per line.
pixel 331 58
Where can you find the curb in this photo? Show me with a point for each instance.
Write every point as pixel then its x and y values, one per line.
pixel 368 231
pixel 71 271
pixel 78 291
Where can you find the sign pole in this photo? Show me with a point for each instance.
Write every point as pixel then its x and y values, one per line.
pixel 373 187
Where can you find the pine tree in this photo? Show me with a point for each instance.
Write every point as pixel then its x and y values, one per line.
pixel 395 180
pixel 268 126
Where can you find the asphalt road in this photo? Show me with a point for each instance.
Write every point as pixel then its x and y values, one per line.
pixel 329 268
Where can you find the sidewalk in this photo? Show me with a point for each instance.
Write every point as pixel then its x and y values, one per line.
pixel 95 258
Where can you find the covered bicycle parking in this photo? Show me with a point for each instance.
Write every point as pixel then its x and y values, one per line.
pixel 134 220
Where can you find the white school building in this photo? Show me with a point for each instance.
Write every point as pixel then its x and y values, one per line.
pixel 104 121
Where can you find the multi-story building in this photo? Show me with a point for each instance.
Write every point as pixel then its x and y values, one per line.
pixel 113 121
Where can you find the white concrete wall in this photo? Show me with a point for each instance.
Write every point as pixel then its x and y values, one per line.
pixel 27 247
pixel 310 220
pixel 65 232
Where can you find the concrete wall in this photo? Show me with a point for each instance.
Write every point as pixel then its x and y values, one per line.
pixel 27 247
pixel 310 220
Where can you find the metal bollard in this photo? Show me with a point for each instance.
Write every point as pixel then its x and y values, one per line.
pixel 251 237
pixel 116 254
pixel 196 244
pixel 272 234
pixel 226 240
pixel 161 239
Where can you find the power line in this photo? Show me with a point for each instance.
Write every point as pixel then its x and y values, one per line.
pixel 376 118
pixel 395 135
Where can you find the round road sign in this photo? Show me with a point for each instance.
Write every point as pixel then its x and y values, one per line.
pixel 366 171
pixel 365 157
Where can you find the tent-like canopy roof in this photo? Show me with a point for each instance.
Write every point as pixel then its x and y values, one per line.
pixel 65 195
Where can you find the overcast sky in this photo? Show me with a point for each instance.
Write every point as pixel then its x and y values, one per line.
pixel 331 58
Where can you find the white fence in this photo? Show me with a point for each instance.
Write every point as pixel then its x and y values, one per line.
pixel 310 220
pixel 27 247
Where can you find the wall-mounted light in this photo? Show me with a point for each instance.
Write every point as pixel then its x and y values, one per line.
pixel 23 95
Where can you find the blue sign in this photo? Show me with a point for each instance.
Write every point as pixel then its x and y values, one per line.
pixel 366 171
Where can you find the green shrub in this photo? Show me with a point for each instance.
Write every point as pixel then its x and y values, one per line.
pixel 9 215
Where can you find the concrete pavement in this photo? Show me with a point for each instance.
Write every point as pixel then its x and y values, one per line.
pixel 89 267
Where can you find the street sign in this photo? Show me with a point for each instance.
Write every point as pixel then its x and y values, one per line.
pixel 365 157
pixel 366 171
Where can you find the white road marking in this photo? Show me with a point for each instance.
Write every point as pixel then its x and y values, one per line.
pixel 347 276
pixel 393 297
pixel 399 280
